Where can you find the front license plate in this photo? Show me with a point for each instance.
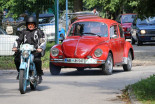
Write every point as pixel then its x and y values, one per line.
pixel 152 38
pixel 74 60
pixel 91 61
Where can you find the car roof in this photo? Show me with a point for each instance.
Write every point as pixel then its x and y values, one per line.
pixel 80 17
pixel 104 20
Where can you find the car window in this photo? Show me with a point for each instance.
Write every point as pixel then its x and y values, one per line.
pixel 113 31
pixel 128 18
pixel 89 28
pixel 121 31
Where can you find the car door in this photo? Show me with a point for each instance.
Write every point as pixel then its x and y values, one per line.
pixel 114 41
pixel 121 43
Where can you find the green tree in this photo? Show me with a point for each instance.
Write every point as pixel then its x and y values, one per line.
pixel 143 7
pixel 17 7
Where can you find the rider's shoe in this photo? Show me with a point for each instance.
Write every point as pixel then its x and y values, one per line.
pixel 17 77
pixel 40 79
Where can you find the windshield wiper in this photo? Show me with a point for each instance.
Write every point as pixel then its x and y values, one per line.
pixel 92 34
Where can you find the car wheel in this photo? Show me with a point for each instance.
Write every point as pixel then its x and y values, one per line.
pixel 80 69
pixel 128 66
pixel 55 70
pixel 139 43
pixel 107 68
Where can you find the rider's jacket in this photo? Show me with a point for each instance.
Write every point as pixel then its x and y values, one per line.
pixel 35 37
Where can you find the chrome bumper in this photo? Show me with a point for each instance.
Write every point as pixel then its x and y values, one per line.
pixel 78 61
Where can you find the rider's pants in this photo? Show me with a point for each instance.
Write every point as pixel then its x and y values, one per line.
pixel 37 61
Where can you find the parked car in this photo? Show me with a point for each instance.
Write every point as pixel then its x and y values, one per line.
pixel 92 43
pixel 13 26
pixel 71 16
pixel 47 25
pixel 126 21
pixel 6 43
pixel 143 30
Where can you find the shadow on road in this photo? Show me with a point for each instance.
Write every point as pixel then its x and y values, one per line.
pixel 90 72
pixel 148 44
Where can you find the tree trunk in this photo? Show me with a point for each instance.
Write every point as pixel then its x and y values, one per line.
pixel 78 5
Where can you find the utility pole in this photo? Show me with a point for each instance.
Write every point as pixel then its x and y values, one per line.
pixel 66 16
pixel 56 21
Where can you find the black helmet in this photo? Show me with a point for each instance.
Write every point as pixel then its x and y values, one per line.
pixel 31 19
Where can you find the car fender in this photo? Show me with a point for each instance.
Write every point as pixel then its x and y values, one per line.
pixel 105 48
pixel 128 47
pixel 23 66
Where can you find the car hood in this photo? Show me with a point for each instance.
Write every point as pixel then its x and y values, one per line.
pixel 80 47
pixel 146 27
pixel 127 25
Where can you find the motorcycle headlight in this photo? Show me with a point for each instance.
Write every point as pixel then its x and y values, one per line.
pixel 143 32
pixel 54 52
pixel 25 54
pixel 98 52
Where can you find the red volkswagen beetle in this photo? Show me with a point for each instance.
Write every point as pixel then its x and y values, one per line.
pixel 92 43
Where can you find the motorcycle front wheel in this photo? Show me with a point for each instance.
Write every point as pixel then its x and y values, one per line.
pixel 34 83
pixel 22 81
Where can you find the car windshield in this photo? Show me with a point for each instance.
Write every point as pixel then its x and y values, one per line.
pixel 147 21
pixel 128 18
pixel 89 29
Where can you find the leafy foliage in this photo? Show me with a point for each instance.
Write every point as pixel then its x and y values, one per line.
pixel 144 89
pixel 17 7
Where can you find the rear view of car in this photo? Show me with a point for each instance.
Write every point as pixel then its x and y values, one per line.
pixel 126 21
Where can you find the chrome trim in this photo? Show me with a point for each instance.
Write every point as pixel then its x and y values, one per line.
pixel 83 61
pixel 125 60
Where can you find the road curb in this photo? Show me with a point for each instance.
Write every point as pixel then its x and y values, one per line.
pixel 132 97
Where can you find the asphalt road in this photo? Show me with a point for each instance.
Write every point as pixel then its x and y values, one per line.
pixel 72 87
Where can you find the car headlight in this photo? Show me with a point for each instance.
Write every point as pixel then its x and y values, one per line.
pixel 98 52
pixel 54 52
pixel 25 54
pixel 143 31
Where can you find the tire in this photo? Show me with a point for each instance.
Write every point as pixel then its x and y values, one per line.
pixel 128 66
pixel 80 69
pixel 22 82
pixel 34 84
pixel 107 68
pixel 139 43
pixel 55 70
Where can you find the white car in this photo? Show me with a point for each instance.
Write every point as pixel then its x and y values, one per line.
pixel 6 43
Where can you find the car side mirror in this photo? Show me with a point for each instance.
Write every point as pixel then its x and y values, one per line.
pixel 113 36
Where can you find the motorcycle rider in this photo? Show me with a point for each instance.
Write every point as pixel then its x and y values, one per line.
pixel 33 36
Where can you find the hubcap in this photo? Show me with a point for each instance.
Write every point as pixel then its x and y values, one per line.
pixel 109 64
pixel 129 61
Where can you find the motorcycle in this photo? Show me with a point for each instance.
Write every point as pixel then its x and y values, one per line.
pixel 27 73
